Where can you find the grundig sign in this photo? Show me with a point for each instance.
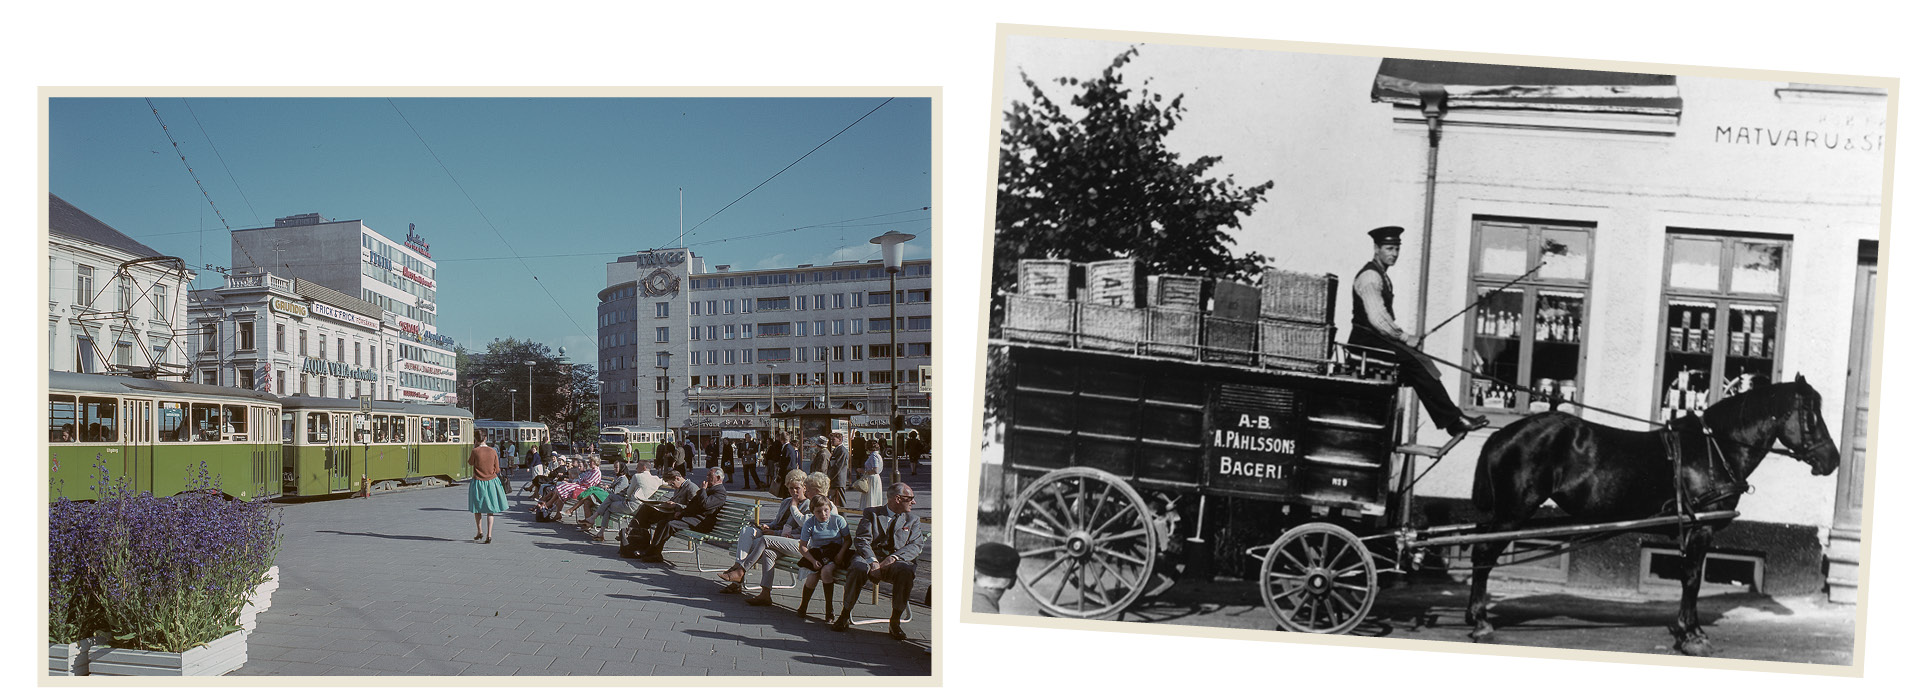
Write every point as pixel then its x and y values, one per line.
pixel 289 308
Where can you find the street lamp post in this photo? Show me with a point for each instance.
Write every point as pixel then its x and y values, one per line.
pixel 513 404
pixel 529 389
pixel 770 426
pixel 891 244
pixel 666 359
pixel 476 397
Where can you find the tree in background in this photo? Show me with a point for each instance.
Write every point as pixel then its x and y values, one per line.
pixel 559 390
pixel 1104 185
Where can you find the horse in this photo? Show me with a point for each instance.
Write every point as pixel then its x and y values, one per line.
pixel 1597 473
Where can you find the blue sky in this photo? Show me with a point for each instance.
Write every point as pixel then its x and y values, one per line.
pixel 569 183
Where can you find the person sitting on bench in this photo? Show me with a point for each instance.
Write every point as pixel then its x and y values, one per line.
pixel 884 549
pixel 699 515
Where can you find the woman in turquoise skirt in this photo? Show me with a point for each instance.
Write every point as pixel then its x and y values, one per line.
pixel 484 495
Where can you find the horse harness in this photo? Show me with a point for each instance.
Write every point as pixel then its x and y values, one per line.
pixel 1720 480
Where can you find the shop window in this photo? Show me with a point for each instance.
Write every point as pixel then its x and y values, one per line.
pixel 1529 331
pixel 1665 567
pixel 1722 305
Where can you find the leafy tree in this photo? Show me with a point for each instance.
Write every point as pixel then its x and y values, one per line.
pixel 560 388
pixel 1105 185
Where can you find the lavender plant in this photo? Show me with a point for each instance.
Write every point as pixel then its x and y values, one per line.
pixel 166 574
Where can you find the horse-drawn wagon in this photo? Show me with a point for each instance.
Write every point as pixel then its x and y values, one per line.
pixel 1114 449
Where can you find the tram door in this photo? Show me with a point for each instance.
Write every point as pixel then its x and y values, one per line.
pixel 413 448
pixel 261 422
pixel 139 441
pixel 340 454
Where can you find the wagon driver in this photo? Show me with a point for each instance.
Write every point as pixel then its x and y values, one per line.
pixel 1373 327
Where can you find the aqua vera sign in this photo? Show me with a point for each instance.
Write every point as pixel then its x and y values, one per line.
pixel 315 365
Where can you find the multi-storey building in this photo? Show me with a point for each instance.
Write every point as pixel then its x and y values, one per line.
pixel 286 336
pixel 702 352
pixel 107 313
pixel 396 278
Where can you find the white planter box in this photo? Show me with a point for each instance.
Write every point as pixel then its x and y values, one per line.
pixel 71 659
pixel 214 658
pixel 260 599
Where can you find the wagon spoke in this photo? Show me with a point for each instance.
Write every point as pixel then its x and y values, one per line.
pixel 1350 587
pixel 1122 557
pixel 1342 573
pixel 1050 567
pixel 1080 505
pixel 1040 509
pixel 1105 497
pixel 1117 514
pixel 1130 534
pixel 1031 530
pixel 1290 592
pixel 1043 550
pixel 1108 570
pixel 1297 564
pixel 1064 580
pixel 1066 511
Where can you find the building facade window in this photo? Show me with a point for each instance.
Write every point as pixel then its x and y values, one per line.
pixel 83 285
pixel 1531 335
pixel 246 335
pixel 303 343
pixel 660 334
pixel 245 379
pixel 279 337
pixel 162 311
pixel 660 309
pixel 1723 301
pixel 660 359
pixel 125 284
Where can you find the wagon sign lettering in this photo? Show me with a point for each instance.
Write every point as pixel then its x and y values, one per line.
pixel 1253 433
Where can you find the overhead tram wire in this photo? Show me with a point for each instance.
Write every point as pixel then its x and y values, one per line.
pixel 483 217
pixel 796 161
pixel 742 237
pixel 223 161
pixel 197 183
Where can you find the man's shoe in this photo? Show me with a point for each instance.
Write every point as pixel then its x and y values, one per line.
pixel 841 624
pixel 731 588
pixel 764 598
pixel 734 574
pixel 896 633
pixel 1467 424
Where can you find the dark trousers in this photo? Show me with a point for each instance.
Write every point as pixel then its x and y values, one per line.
pixel 667 529
pixel 899 574
pixel 1415 371
pixel 636 538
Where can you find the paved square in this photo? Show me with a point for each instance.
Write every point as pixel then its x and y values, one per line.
pixel 393 585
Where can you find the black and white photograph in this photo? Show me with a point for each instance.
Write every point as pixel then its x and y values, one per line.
pixel 1350 342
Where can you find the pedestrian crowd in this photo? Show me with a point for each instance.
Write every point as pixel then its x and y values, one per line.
pixel 646 503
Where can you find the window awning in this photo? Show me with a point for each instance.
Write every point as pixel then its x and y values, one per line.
pixel 1486 86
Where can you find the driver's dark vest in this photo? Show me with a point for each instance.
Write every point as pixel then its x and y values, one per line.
pixel 1360 321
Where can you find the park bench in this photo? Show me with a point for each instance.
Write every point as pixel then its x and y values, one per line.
pixel 726 532
pixel 922 565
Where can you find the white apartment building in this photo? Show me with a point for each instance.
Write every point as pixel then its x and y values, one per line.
pixel 288 337
pixel 737 346
pixel 106 318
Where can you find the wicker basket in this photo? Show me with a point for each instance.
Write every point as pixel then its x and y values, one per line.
pixel 1113 283
pixel 1175 291
pixel 1229 340
pixel 1298 296
pixel 1233 300
pixel 1173 332
pixel 1111 327
pixel 1046 278
pixel 1306 347
pixel 1039 320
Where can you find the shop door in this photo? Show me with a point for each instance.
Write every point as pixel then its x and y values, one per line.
pixel 1843 547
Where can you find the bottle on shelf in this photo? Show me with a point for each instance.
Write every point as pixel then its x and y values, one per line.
pixel 1758 344
pixel 1706 333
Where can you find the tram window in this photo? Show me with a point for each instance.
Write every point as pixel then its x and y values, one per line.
pixel 380 429
pixel 97 422
pixel 203 422
pixel 440 429
pixel 453 430
pixel 426 431
pixel 60 419
pixel 236 419
pixel 317 427
pixel 173 422
pixel 286 429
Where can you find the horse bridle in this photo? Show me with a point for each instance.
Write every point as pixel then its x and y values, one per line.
pixel 1804 418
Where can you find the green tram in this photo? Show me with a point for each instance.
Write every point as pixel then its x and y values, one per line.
pixel 524 435
pixel 155 435
pixel 330 445
pixel 633 444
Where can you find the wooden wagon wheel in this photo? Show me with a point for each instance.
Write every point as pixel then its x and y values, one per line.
pixel 1086 543
pixel 1318 578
